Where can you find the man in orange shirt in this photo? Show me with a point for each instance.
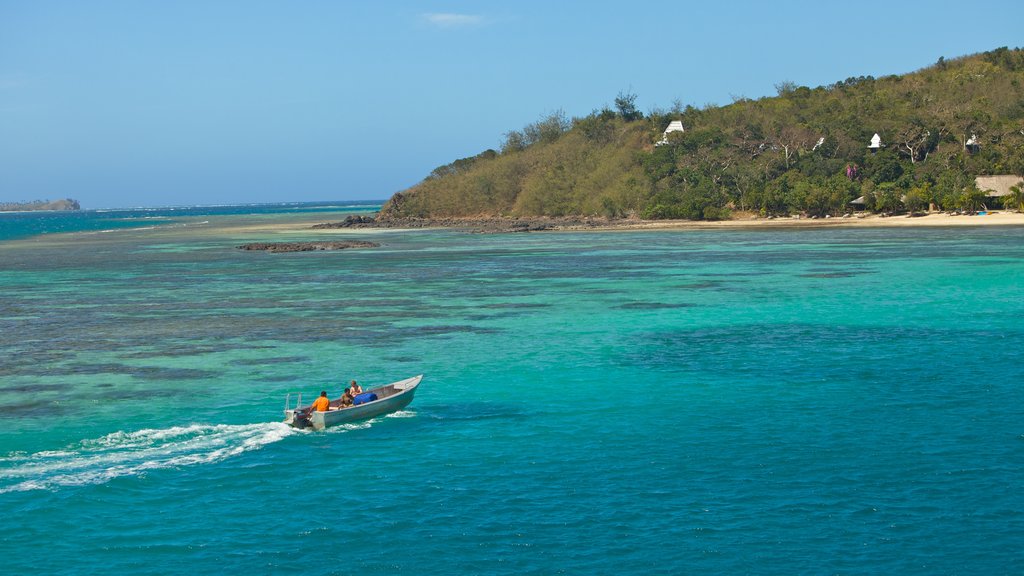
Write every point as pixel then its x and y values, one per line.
pixel 321 404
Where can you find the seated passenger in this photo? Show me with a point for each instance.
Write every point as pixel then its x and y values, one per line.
pixel 355 388
pixel 346 398
pixel 321 404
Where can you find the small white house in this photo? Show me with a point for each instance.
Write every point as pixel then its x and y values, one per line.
pixel 673 126
pixel 972 144
pixel 876 143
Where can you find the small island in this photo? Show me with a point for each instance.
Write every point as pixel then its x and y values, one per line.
pixel 276 247
pixel 63 205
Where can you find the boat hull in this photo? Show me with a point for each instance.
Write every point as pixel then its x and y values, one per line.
pixel 393 397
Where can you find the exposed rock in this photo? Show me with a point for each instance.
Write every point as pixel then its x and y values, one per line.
pixel 484 225
pixel 306 246
pixel 353 221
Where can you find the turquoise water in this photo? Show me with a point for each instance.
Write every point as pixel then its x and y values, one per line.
pixel 26 224
pixel 839 401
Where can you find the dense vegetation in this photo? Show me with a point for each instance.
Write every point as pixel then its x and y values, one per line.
pixel 65 204
pixel 803 151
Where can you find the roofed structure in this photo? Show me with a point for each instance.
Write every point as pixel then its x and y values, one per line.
pixel 673 126
pixel 998 186
pixel 972 144
pixel 876 142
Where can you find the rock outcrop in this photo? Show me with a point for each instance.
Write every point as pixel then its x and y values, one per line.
pixel 276 247
pixel 482 225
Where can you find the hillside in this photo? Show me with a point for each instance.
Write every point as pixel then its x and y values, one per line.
pixel 803 151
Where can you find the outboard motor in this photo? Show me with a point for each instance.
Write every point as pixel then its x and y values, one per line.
pixel 301 420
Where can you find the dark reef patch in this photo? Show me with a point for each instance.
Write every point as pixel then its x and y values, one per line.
pixel 141 372
pixel 651 306
pixel 31 410
pixel 274 379
pixel 265 361
pixel 403 359
pixel 828 274
pixel 706 285
pixel 23 388
pixel 515 305
pixel 177 351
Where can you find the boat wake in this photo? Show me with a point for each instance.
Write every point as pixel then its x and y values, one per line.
pixel 120 454
pixel 364 424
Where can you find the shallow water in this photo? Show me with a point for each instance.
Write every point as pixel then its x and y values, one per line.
pixel 823 401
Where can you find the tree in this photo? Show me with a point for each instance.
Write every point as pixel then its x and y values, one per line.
pixel 1015 200
pixel 785 87
pixel 887 198
pixel 515 141
pixel 884 167
pixel 917 198
pixel 625 103
pixel 971 199
pixel 547 129
pixel 949 186
pixel 791 139
pixel 597 127
pixel 917 141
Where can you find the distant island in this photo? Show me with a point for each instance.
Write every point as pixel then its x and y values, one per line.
pixel 65 204
pixel 948 138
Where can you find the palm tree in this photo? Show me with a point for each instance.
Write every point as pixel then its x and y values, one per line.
pixel 1015 199
pixel 971 199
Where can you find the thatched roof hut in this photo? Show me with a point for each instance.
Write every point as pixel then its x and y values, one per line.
pixel 998 186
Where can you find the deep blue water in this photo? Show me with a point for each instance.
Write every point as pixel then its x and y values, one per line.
pixel 23 224
pixel 840 401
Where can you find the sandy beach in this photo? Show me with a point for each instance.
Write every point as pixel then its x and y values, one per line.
pixel 492 225
pixel 872 220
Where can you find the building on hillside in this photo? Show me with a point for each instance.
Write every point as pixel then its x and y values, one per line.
pixel 972 144
pixel 998 186
pixel 876 143
pixel 673 126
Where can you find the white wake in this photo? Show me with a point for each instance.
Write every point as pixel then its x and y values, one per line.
pixel 133 453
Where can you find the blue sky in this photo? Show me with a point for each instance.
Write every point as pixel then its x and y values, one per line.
pixel 145 103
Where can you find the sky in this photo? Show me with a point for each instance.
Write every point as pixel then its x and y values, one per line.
pixel 170 103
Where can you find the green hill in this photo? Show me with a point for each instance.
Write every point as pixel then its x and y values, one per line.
pixel 803 151
pixel 65 204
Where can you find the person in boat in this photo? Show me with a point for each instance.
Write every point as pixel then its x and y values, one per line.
pixel 321 404
pixel 346 398
pixel 356 389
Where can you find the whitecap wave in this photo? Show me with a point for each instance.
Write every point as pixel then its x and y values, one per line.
pixel 133 453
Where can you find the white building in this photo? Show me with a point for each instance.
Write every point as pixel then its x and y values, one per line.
pixel 876 143
pixel 972 144
pixel 673 126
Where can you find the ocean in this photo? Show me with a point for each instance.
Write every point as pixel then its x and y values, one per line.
pixel 830 401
